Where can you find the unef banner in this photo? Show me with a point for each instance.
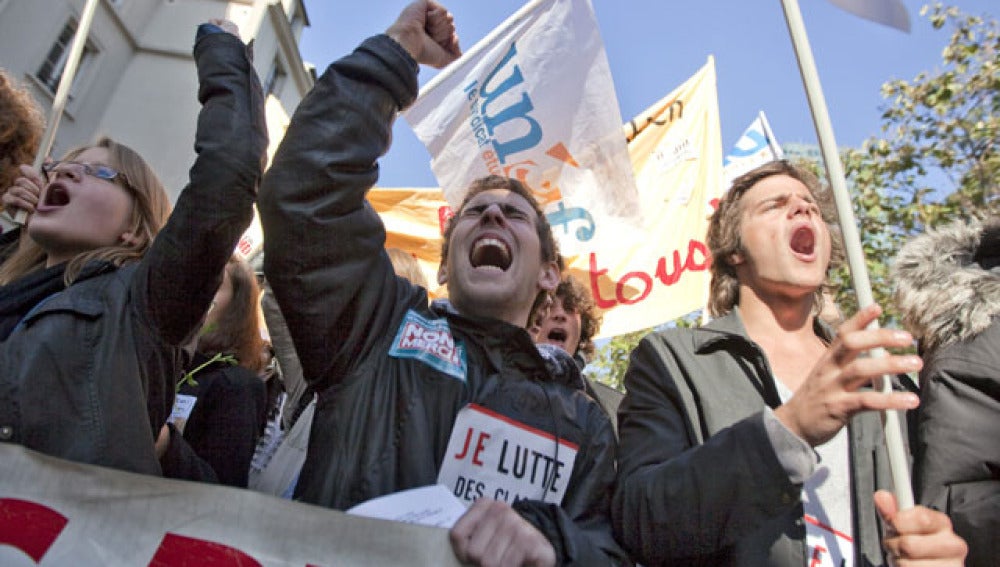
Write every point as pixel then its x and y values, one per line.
pixel 535 101
pixel 54 512
pixel 676 152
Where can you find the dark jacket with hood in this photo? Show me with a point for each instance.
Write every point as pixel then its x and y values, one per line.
pixel 948 291
pixel 384 417
pixel 88 374
pixel 700 481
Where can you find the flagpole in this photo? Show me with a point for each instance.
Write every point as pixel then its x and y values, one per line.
pixel 62 92
pixel 483 43
pixel 852 241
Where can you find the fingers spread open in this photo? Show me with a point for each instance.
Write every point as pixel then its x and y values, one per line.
pixel 865 369
pixel 876 401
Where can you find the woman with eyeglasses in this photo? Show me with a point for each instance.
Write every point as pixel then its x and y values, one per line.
pixel 104 289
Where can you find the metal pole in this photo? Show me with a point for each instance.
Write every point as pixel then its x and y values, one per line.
pixel 852 241
pixel 62 91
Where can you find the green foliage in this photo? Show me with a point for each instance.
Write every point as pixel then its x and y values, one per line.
pixel 938 157
pixel 612 359
pixel 188 377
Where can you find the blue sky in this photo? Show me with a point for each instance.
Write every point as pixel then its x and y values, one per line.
pixel 655 45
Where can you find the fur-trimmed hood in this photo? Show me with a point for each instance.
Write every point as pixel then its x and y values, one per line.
pixel 948 282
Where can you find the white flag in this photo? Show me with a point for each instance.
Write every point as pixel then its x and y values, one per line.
pixel 890 13
pixel 755 147
pixel 534 100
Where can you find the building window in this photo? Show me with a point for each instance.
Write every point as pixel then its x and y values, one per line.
pixel 55 63
pixel 275 79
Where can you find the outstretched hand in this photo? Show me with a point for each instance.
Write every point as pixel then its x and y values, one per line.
pixel 492 533
pixel 426 30
pixel 918 535
pixel 829 397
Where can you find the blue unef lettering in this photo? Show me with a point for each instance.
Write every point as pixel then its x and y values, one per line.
pixel 520 109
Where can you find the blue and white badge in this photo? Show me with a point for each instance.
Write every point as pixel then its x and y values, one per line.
pixel 429 341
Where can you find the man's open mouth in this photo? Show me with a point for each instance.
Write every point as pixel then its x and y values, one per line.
pixel 490 252
pixel 803 241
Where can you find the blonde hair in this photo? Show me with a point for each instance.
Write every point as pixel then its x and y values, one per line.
pixel 150 210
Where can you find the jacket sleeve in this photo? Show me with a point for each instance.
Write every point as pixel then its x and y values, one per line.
pixel 182 463
pixel 180 273
pixel 324 252
pixel 677 498
pixel 580 530
pixel 292 379
pixel 227 421
pixel 183 268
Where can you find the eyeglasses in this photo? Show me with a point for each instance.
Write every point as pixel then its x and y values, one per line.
pixel 53 168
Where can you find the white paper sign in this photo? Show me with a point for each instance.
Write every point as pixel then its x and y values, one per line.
pixel 431 505
pixel 492 455
pixel 183 405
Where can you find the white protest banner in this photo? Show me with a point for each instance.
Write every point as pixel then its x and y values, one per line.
pixel 676 152
pixel 492 455
pixel 55 512
pixel 755 147
pixel 535 101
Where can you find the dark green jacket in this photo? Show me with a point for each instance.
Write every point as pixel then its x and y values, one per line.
pixel 699 482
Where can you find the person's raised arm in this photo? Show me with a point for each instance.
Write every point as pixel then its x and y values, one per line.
pixel 184 265
pixel 323 252
pixel 180 273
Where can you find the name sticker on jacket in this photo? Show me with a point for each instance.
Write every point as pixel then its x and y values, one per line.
pixel 183 405
pixel 430 342
pixel 492 455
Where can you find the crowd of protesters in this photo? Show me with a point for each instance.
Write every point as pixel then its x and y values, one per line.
pixel 132 338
